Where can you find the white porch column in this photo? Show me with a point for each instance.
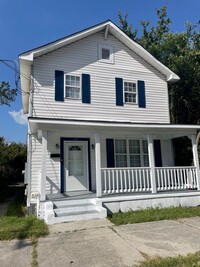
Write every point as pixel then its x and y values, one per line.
pixel 44 164
pixel 152 162
pixel 196 159
pixel 98 165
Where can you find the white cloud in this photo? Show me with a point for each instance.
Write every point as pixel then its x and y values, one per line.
pixel 19 117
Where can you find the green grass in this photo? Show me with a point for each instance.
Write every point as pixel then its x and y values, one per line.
pixel 191 260
pixel 16 224
pixel 17 207
pixel 12 227
pixel 149 215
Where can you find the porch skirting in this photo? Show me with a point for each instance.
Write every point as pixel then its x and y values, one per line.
pixel 125 203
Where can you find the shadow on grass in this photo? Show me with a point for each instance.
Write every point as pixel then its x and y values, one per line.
pixel 16 224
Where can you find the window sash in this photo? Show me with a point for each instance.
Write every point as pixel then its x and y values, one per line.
pixel 72 86
pixel 131 153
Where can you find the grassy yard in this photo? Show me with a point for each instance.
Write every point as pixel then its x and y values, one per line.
pixel 149 215
pixel 192 260
pixel 16 224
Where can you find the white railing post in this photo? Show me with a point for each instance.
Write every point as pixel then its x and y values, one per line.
pixel 195 159
pixel 152 163
pixel 98 165
pixel 44 164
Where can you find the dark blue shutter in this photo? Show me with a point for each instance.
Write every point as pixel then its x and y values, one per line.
pixel 86 88
pixel 119 91
pixel 110 153
pixel 59 85
pixel 141 94
pixel 157 153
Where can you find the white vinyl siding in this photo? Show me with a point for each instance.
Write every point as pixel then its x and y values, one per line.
pixel 81 57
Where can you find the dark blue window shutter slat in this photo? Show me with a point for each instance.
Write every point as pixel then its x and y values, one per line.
pixel 59 85
pixel 157 153
pixel 141 94
pixel 110 153
pixel 86 88
pixel 119 91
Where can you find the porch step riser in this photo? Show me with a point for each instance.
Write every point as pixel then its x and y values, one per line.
pixel 80 217
pixel 75 213
pixel 84 205
pixel 74 202
pixel 78 209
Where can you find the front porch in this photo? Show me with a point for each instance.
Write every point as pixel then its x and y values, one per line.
pixel 106 157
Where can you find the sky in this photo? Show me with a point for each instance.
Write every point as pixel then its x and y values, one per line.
pixel 27 24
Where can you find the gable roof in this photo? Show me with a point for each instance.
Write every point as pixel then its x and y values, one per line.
pixel 26 58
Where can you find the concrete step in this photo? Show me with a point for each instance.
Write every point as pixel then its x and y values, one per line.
pixel 60 203
pixel 75 208
pixel 59 213
pixel 77 217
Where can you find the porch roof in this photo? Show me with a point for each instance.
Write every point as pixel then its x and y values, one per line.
pixel 163 130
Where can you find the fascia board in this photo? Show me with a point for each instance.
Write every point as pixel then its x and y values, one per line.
pixel 116 124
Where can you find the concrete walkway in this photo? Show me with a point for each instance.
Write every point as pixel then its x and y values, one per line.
pixel 99 243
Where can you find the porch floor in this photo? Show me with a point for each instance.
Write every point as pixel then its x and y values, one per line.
pixel 122 196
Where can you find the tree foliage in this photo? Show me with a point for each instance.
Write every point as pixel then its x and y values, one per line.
pixel 7 95
pixel 181 53
pixel 12 161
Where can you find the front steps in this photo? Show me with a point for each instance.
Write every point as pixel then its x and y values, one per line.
pixel 73 210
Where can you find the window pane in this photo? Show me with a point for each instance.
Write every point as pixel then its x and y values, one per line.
pixel 121 160
pixel 120 146
pixel 130 98
pixel 129 87
pixel 73 92
pixel 135 161
pixel 105 53
pixel 145 146
pixel 146 160
pixel 72 80
pixel 134 146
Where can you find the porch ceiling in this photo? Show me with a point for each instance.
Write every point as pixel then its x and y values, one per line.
pixel 161 131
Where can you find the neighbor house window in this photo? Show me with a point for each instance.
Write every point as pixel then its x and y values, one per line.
pixel 130 92
pixel 72 87
pixel 131 153
pixel 105 53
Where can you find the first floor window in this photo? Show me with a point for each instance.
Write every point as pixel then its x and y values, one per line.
pixel 131 153
pixel 130 93
pixel 72 87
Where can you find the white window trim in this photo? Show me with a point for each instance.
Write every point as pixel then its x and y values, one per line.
pixel 129 103
pixel 77 75
pixel 110 48
pixel 128 151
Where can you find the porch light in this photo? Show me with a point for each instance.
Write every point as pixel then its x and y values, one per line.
pixel 57 146
pixel 93 146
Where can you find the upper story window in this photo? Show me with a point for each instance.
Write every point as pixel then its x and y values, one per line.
pixel 72 87
pixel 105 53
pixel 130 93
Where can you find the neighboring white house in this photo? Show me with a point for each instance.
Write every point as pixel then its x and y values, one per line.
pixel 99 132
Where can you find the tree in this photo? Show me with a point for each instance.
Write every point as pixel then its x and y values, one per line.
pixel 12 161
pixel 7 95
pixel 181 53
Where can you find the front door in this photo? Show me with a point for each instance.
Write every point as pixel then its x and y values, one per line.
pixel 76 165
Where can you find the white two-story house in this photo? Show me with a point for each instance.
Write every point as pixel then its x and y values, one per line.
pixel 99 132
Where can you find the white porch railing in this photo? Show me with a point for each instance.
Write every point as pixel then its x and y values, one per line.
pixel 127 180
pixel 176 178
pixel 123 180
